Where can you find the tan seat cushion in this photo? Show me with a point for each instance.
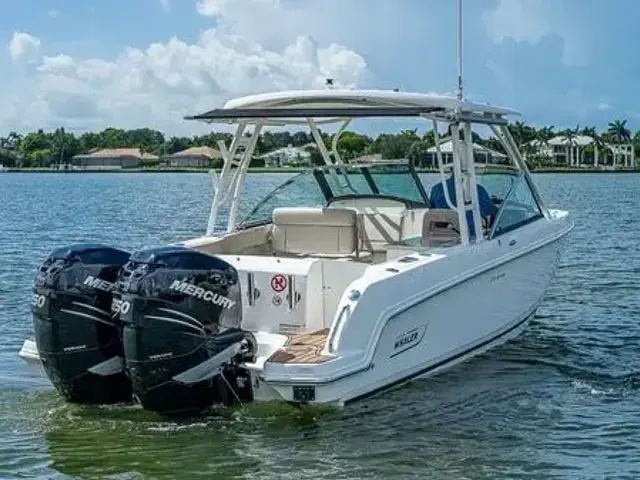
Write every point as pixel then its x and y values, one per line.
pixel 329 231
pixel 440 226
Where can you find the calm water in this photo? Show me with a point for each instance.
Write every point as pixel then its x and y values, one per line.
pixel 562 401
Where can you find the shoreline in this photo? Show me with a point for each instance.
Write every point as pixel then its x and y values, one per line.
pixel 290 170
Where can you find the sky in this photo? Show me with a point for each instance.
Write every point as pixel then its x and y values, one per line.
pixel 88 64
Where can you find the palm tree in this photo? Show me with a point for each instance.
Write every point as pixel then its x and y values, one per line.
pixel 592 133
pixel 543 136
pixel 619 131
pixel 619 134
pixel 517 130
pixel 522 133
pixel 13 140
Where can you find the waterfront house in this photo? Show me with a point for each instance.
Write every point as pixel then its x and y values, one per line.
pixel 202 157
pixel 286 157
pixel 111 158
pixel 578 150
pixel 481 154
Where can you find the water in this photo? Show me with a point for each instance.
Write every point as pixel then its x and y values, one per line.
pixel 562 401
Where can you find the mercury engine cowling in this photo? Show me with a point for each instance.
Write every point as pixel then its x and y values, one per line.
pixel 79 345
pixel 181 312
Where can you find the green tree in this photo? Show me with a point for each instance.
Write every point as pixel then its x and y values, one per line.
pixel 618 131
pixel 90 141
pixel 63 146
pixel 352 145
pixel 177 144
pixel 316 156
pixel 42 148
pixel 636 143
pixel 8 158
pixel 522 133
pixel 146 139
pixel 419 150
pixel 589 132
pixel 394 146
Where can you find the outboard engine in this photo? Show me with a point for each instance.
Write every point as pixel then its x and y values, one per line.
pixel 78 343
pixel 181 312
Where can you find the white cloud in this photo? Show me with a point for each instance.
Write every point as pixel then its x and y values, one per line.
pixel 275 23
pixel 158 85
pixel 208 8
pixel 531 21
pixel 23 45
pixel 166 5
pixel 521 20
pixel 233 8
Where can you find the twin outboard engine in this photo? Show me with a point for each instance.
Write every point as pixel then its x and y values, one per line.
pixel 181 313
pixel 78 343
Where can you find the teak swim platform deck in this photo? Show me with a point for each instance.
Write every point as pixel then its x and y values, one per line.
pixel 303 348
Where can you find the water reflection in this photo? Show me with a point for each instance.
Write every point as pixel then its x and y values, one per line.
pixel 94 442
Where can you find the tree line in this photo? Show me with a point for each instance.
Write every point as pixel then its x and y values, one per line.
pixel 44 149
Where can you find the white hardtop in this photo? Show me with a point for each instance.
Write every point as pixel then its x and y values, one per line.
pixel 344 98
pixel 336 105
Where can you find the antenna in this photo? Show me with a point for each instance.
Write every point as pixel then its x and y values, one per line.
pixel 459 11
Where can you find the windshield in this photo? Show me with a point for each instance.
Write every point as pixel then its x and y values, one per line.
pixel 497 183
pixel 395 180
pixel 314 188
pixel 518 208
pixel 301 190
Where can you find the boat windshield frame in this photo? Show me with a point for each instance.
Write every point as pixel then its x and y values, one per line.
pixel 334 183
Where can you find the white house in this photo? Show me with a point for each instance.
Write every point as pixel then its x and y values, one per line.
pixel 625 152
pixel 287 156
pixel 572 151
pixel 481 154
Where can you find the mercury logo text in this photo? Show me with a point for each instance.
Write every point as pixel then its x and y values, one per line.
pixel 99 284
pixel 201 293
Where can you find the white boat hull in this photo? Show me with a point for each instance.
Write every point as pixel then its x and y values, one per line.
pixel 439 332
pixel 422 337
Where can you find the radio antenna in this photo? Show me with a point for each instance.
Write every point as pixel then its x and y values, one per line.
pixel 459 12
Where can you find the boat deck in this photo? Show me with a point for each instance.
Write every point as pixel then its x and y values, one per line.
pixel 303 348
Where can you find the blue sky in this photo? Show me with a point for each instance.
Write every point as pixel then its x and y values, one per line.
pixel 87 64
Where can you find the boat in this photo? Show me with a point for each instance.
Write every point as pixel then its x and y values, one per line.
pixel 362 284
pixel 346 280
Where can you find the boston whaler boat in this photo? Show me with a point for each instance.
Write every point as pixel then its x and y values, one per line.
pixel 367 282
pixel 361 285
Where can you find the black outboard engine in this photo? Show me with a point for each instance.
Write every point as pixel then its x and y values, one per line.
pixel 79 345
pixel 181 312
